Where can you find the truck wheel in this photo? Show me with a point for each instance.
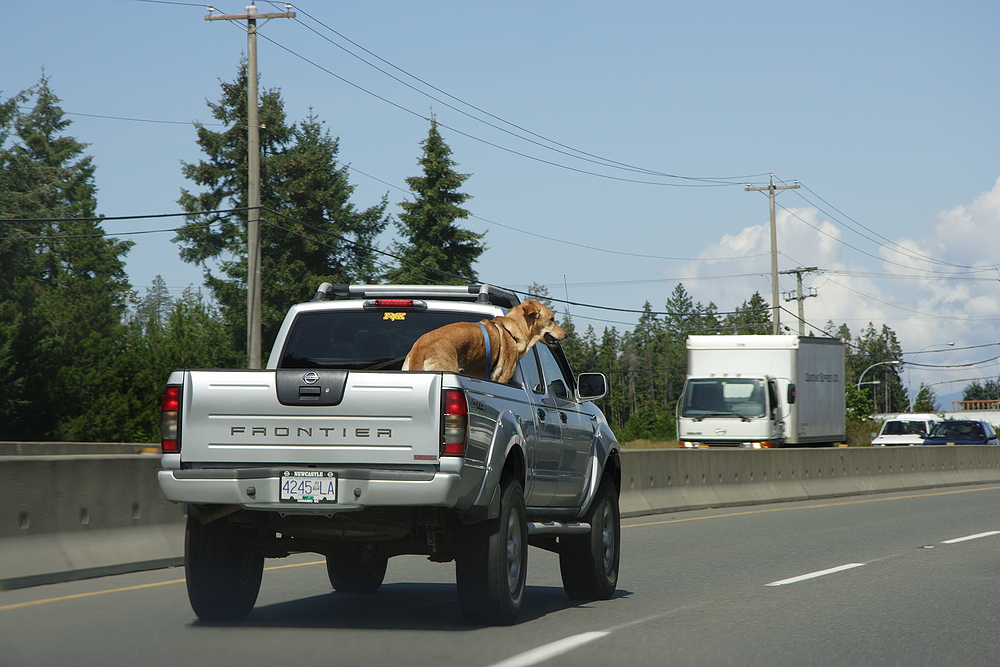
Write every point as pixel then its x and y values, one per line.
pixel 589 563
pixel 491 563
pixel 356 568
pixel 223 572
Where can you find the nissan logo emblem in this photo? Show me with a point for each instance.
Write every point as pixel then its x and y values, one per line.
pixel 312 377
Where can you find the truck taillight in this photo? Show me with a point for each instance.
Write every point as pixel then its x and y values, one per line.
pixel 395 304
pixel 170 409
pixel 456 422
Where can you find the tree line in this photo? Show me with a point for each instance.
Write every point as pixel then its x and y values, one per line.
pixel 83 357
pixel 646 367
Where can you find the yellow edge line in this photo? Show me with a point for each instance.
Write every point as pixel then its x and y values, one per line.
pixel 811 507
pixel 21 605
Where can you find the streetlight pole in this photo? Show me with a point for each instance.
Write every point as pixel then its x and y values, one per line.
pixel 908 371
pixel 880 363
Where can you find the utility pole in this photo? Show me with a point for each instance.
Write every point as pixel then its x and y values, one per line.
pixel 253 176
pixel 800 297
pixel 775 308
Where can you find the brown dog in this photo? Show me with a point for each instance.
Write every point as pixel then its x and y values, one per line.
pixel 460 347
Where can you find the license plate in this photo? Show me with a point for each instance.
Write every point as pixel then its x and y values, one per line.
pixel 308 486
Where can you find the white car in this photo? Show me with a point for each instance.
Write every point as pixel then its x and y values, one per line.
pixel 905 430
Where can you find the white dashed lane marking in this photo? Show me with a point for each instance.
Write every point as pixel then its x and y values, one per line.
pixel 972 537
pixel 813 575
pixel 543 653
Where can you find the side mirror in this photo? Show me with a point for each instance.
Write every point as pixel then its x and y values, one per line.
pixel 591 386
pixel 791 394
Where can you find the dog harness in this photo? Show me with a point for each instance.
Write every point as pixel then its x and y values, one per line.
pixel 489 354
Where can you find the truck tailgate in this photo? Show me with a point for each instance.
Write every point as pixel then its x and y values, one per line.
pixel 382 419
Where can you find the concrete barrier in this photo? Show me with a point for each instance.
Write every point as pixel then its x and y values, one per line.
pixel 68 517
pixel 67 448
pixel 74 515
pixel 668 480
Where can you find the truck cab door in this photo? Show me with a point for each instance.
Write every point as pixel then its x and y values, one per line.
pixel 573 429
pixel 777 416
pixel 543 446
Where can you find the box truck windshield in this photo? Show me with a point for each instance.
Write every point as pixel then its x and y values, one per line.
pixel 720 397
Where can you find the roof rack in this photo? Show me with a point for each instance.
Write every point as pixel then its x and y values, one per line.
pixel 481 293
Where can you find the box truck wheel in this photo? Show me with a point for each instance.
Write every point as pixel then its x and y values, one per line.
pixel 589 563
pixel 491 563
pixel 223 570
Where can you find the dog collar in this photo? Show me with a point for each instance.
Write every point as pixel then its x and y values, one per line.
pixel 489 354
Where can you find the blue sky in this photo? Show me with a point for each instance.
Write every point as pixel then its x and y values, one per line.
pixel 885 112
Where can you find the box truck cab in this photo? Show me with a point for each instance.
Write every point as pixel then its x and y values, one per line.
pixel 762 392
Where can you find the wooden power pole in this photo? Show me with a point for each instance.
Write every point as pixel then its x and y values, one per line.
pixel 799 296
pixel 775 308
pixel 253 177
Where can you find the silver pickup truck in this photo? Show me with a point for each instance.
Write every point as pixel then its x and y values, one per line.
pixel 333 449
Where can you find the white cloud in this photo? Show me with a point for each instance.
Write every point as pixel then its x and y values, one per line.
pixel 925 302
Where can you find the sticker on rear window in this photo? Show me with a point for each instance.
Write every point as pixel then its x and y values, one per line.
pixel 395 317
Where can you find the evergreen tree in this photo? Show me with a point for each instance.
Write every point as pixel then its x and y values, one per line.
pixel 18 264
pixel 751 317
pixel 608 361
pixel 926 400
pixel 872 348
pixel 70 290
pixel 586 362
pixel 310 231
pixel 540 293
pixel 677 324
pixel 436 250
pixel 572 346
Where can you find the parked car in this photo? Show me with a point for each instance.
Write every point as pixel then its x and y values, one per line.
pixel 906 430
pixel 963 432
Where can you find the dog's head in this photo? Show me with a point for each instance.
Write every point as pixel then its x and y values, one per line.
pixel 541 322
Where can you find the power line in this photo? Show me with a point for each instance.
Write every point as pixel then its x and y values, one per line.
pixel 569 150
pixel 895 247
pixel 883 259
pixel 710 184
pixel 104 218
pixel 134 120
pixel 172 2
pixel 888 243
pixel 454 275
pixel 564 241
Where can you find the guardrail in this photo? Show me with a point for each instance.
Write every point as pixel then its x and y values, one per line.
pixel 75 514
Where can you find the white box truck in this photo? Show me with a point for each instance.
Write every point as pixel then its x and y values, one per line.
pixel 762 392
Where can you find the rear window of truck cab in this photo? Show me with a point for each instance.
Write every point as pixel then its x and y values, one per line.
pixel 360 340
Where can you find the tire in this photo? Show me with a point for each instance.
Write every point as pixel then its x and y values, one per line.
pixel 356 569
pixel 491 564
pixel 223 571
pixel 589 563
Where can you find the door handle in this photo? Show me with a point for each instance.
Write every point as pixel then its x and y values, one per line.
pixel 541 414
pixel 563 418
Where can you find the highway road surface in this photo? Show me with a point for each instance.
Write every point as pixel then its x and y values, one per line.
pixel 892 579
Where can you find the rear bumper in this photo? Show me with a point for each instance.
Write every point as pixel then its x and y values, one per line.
pixel 258 489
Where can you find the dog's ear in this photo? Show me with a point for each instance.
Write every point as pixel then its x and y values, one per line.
pixel 531 309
